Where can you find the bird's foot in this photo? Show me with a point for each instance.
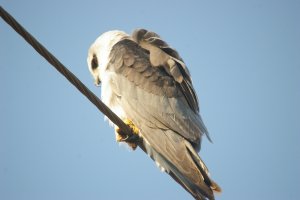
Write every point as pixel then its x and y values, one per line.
pixel 123 137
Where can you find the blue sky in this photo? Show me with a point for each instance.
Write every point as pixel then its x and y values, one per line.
pixel 245 64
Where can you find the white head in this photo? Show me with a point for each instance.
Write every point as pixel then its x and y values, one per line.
pixel 98 55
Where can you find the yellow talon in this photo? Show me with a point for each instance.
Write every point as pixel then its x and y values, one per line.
pixel 120 136
pixel 135 130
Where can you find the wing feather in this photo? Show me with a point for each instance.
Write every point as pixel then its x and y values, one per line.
pixel 175 113
pixel 162 54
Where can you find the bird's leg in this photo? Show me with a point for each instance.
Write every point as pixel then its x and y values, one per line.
pixel 123 137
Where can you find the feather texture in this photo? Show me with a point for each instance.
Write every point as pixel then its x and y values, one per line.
pixel 159 103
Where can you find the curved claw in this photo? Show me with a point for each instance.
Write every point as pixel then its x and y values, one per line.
pixel 133 139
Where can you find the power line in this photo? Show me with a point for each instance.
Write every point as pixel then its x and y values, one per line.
pixel 65 72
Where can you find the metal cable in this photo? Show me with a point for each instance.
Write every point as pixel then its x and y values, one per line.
pixel 65 72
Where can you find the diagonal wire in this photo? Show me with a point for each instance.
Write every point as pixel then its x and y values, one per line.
pixel 64 71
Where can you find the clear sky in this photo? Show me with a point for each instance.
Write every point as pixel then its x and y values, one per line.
pixel 244 57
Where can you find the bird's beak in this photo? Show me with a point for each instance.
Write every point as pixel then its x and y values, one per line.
pixel 97 82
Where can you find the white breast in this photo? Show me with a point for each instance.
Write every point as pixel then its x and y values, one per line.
pixel 109 96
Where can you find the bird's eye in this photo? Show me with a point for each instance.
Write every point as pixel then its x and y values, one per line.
pixel 94 62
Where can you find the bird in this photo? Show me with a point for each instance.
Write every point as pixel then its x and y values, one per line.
pixel 147 84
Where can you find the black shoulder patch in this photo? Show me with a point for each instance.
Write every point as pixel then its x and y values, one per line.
pixel 132 61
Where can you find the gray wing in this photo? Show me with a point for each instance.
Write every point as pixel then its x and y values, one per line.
pixel 161 54
pixel 160 94
pixel 171 131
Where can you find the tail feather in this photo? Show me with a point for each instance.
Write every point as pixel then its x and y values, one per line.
pixel 215 187
pixel 204 170
pixel 184 165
